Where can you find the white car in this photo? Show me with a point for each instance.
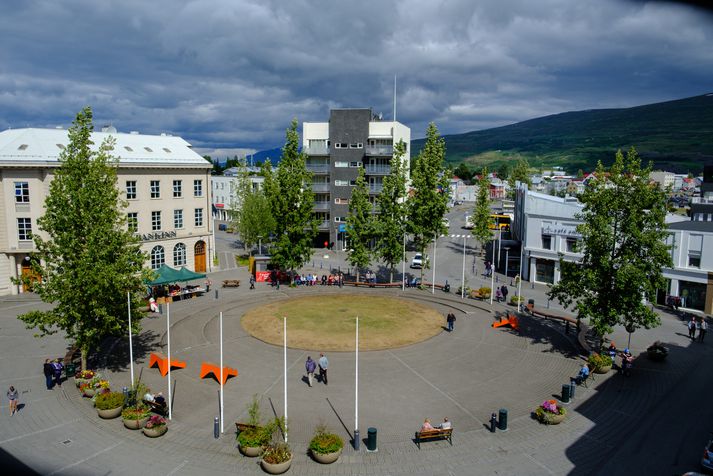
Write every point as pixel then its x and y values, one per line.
pixel 418 261
pixel 446 222
pixel 468 223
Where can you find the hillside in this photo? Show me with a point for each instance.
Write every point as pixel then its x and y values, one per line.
pixel 675 135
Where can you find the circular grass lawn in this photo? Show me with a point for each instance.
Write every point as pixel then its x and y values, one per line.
pixel 328 322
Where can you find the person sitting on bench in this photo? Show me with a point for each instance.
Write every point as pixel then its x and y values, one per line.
pixel 159 399
pixel 149 397
pixel 446 425
pixel 582 375
pixel 427 425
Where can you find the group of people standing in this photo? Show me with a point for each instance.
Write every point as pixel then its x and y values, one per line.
pixel 697 325
pixel 501 293
pixel 311 367
pixel 53 373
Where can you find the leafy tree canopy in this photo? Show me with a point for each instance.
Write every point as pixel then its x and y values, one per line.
pixel 481 213
pixel 360 225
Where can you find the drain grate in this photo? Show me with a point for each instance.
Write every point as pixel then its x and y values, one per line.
pixel 67 442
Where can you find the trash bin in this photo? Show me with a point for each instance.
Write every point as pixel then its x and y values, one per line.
pixel 70 369
pixel 565 393
pixel 371 439
pixel 502 419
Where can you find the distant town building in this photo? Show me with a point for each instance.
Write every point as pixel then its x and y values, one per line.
pixel 165 183
pixel 663 179
pixel 224 193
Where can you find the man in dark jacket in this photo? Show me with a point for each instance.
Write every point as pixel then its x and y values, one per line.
pixel 504 290
pixel 310 367
pixel 49 371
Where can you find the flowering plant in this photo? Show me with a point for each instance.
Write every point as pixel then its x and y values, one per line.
pixel 597 361
pixel 155 422
pixel 85 374
pixel 548 410
pixel 83 385
pixel 101 384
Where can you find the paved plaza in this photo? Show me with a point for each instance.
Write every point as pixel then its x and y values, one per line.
pixel 655 422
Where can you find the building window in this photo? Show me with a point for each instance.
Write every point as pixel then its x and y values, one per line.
pixel 694 261
pixel 131 189
pixel 177 189
pixel 155 221
pixel 341 164
pixel 24 229
pixel 544 271
pixel 354 164
pixel 340 219
pixel 155 189
pixel 198 188
pixel 158 257
pixel 546 242
pixel 179 255
pixel 198 215
pixel 132 221
pixel 22 192
pixel 178 219
pixel 571 244
pixel 341 183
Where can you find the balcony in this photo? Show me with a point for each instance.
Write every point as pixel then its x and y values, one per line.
pixel 321 206
pixel 705 200
pixel 376 188
pixel 320 187
pixel 318 168
pixel 377 169
pixel 316 150
pixel 324 225
pixel 379 150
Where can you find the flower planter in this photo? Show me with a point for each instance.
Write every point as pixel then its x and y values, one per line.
pixel 276 468
pixel 326 458
pixel 602 370
pixel 89 392
pixel 135 424
pixel 250 451
pixel 109 414
pixel 552 419
pixel 156 431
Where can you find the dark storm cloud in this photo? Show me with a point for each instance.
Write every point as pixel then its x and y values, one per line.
pixel 231 74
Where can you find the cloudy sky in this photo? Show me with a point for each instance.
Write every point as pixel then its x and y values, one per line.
pixel 231 74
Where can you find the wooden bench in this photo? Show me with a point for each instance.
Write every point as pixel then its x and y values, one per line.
pixel 372 285
pixel 509 320
pixel 582 329
pixel 435 434
pixel 231 283
pixel 161 361
pixel 158 408
pixel 208 368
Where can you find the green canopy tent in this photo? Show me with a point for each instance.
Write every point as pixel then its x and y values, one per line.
pixel 187 274
pixel 166 275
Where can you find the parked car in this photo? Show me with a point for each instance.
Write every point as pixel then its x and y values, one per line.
pixel 468 223
pixel 446 222
pixel 418 261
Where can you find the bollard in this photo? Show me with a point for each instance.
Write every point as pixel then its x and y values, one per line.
pixel 510 281
pixel 572 386
pixel 371 439
pixel 548 304
pixel 565 393
pixel 356 440
pixel 493 422
pixel 503 419
pixel 216 427
pixel 532 285
pixel 126 394
pixel 216 294
pixel 160 308
pixel 497 278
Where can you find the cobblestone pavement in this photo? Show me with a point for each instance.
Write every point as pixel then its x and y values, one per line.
pixel 615 426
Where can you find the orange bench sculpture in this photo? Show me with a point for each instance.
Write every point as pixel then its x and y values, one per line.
pixel 161 361
pixel 208 368
pixel 509 320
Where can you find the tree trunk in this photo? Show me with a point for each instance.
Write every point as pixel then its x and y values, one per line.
pixel 391 275
pixel 85 351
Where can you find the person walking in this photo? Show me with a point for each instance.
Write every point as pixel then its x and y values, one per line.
pixel 702 330
pixel 692 328
pixel 698 328
pixel 451 320
pixel 504 290
pixel 12 397
pixel 252 282
pixel 323 364
pixel 208 282
pixel 310 367
pixel 49 371
pixel 57 372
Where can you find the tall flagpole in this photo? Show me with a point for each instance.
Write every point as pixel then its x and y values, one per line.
pixel 168 338
pixel 131 347
pixel 284 325
pixel 222 430
pixel 492 274
pixel 433 273
pixel 403 267
pixel 462 278
pixel 356 386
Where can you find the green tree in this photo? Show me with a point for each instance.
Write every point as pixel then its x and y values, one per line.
pixel 291 200
pixel 463 171
pixel 89 261
pixel 359 227
pixel 481 213
pixel 429 180
pixel 623 245
pixel 503 171
pixel 391 220
pixel 521 173
pixel 252 216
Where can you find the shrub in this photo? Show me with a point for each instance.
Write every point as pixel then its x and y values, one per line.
pixel 517 299
pixel 155 422
pixel 138 412
pixel 485 291
pixel 324 442
pixel 548 409
pixel 597 361
pixel 109 401
pixel 254 437
pixel 276 453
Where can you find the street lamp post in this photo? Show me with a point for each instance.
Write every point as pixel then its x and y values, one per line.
pixel 462 278
pixel 403 267
pixel 433 273
pixel 507 258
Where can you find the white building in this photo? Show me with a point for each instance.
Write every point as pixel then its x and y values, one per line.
pixel 165 183
pixel 691 277
pixel 664 179
pixel 224 195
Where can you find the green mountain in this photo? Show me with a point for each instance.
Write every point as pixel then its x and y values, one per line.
pixel 675 135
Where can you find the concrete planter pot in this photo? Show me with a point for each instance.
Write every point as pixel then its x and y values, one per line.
pixel 89 392
pixel 552 419
pixel 155 432
pixel 250 451
pixel 109 414
pixel 602 370
pixel 326 458
pixel 135 424
pixel 276 468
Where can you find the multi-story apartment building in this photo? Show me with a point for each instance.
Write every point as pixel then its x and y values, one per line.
pixel 165 183
pixel 352 138
pixel 224 193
